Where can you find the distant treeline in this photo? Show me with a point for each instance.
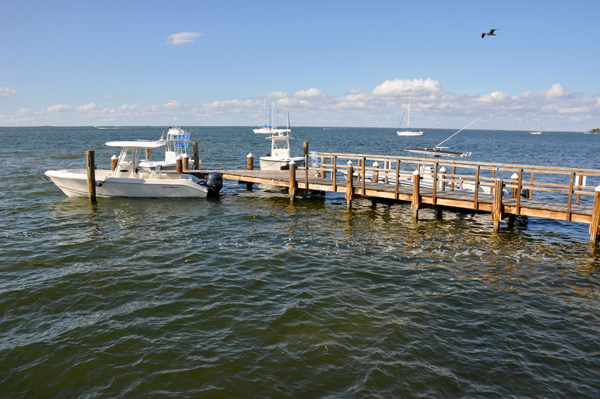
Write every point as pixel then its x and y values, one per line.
pixel 593 131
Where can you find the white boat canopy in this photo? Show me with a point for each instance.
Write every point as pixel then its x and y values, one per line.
pixel 129 145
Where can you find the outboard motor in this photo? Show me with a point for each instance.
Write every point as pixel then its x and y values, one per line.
pixel 214 184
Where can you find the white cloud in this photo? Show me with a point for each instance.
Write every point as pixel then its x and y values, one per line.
pixel 555 91
pixel 111 96
pixel 6 92
pixel 310 93
pixel 277 94
pixel 182 38
pixel 400 87
pixel 24 111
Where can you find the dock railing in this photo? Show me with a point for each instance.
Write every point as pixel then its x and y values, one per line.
pixel 547 183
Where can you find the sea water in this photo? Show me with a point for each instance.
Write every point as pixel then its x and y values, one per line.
pixel 248 295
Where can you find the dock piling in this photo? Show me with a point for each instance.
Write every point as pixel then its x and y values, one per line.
pixel 114 161
pixel 497 207
pixel 178 164
pixel 349 183
pixel 416 200
pixel 250 164
pixel 595 223
pixel 375 178
pixel 91 174
pixel 196 155
pixel 185 162
pixel 293 183
pixel 148 151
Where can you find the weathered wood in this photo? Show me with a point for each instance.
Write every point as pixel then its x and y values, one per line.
pixel 349 183
pixel 570 197
pixel 416 198
pixel 386 166
pixel 249 166
pixel 334 173
pixel 476 191
pixel 306 167
pixel 362 174
pixel 90 163
pixel 185 162
pixel 397 180
pixel 375 176
pixel 196 155
pixel 453 173
pixel 497 210
pixel 148 151
pixel 519 183
pixel 435 179
pixel 305 147
pixel 293 185
pixel 114 161
pixel 595 220
pixel 178 164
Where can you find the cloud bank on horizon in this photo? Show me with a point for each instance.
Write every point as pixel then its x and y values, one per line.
pixel 431 106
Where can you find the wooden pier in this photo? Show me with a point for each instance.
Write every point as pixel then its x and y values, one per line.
pixel 539 191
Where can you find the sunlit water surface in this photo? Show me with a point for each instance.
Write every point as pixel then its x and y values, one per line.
pixel 251 296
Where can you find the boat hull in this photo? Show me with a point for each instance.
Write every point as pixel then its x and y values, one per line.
pixel 404 133
pixel 270 163
pixel 74 184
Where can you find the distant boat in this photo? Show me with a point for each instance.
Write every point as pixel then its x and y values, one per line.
pixel 409 131
pixel 538 131
pixel 279 158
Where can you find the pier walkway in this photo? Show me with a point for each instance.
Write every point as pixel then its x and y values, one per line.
pixel 560 193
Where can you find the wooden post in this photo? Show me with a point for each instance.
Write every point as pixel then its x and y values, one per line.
pixel 453 174
pixel 178 164
pixel 305 148
pixel 250 163
pixel 595 222
pixel 363 167
pixel 148 150
pixel 442 179
pixel 513 189
pixel 435 180
pixel 497 206
pixel 196 155
pixel 386 166
pixel 570 199
pixel 293 184
pixel 306 168
pixel 397 180
pixel 186 162
pixel 91 174
pixel 519 184
pixel 492 187
pixel 531 186
pixel 476 194
pixel 334 172
pixel 114 161
pixel 416 195
pixel 375 178
pixel 349 183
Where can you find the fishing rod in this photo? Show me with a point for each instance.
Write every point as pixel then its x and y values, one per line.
pixel 438 146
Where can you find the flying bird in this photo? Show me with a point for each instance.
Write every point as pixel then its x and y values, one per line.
pixel 490 33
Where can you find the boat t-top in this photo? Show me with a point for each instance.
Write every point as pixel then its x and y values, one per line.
pixel 129 180
pixel 408 131
pixel 279 158
pixel 176 143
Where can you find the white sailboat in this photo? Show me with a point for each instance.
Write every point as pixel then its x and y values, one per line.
pixel 409 131
pixel 279 158
pixel 130 181
pixel 537 131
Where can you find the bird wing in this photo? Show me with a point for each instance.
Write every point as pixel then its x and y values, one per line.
pixel 492 31
pixel 482 35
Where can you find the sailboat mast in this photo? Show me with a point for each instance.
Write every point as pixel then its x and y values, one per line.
pixel 408 119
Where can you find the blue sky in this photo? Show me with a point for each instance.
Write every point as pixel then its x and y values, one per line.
pixel 334 63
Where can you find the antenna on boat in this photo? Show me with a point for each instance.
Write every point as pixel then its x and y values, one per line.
pixel 437 146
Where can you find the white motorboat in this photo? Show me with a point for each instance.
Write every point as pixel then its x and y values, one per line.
pixel 409 131
pixel 279 158
pixel 129 180
pixel 176 144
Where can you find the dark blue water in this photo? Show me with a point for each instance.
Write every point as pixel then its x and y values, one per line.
pixel 251 296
